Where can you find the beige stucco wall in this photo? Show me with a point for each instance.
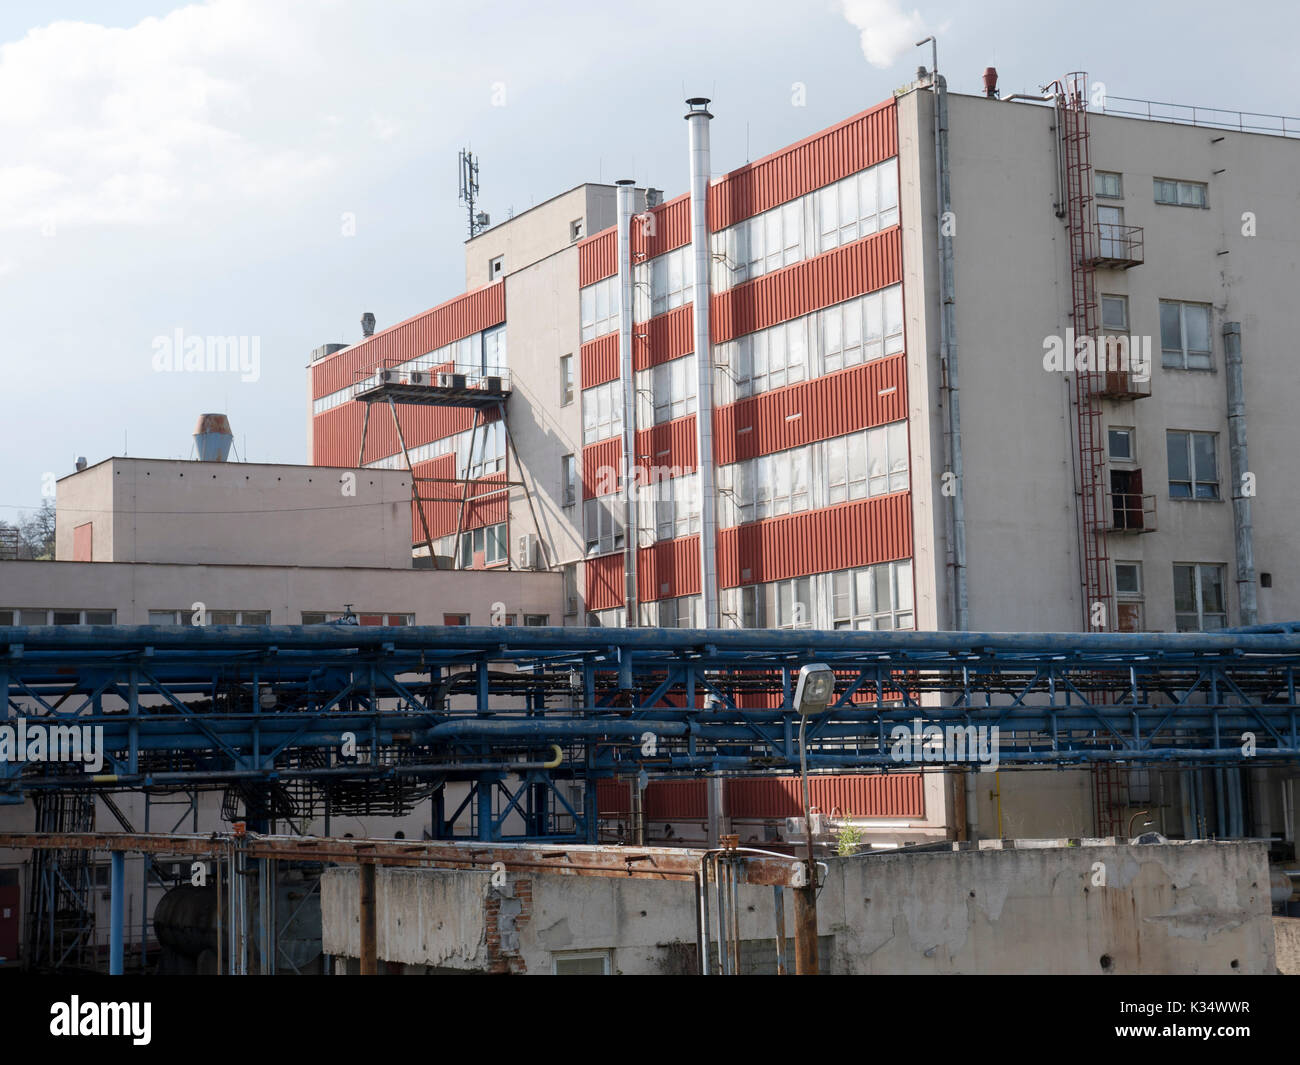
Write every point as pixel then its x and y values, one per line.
pixel 160 510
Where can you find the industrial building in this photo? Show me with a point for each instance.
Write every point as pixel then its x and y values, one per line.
pixel 737 410
pixel 806 453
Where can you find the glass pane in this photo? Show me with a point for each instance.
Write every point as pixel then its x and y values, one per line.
pixel 867 203
pixel 1185 589
pixel 168 617
pixel 841 601
pixel 1196 321
pixel 884 597
pixel 1212 590
pixel 1203 453
pixel 866 603
pixel 255 617
pixel 1176 446
pixel 1114 313
pixel 99 617
pixel 1120 444
pixel 1126 578
pixel 1171 337
pixel 903 579
pixel 67 617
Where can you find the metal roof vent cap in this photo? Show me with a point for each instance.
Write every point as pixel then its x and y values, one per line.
pixel 212 438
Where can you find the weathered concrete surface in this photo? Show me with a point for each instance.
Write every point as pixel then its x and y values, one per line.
pixel 1043 908
pixel 1286 937
pixel 423 916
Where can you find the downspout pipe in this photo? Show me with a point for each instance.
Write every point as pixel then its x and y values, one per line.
pixel 697 122
pixel 627 374
pixel 959 603
pixel 1243 533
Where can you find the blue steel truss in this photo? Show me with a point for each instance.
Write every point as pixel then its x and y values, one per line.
pixel 513 711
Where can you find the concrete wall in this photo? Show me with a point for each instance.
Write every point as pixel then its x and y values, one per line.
pixel 1013 291
pixel 157 510
pixel 1048 908
pixel 286 591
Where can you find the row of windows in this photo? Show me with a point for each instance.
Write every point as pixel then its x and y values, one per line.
pixel 663 283
pixel 602 411
pixel 667 391
pixel 837 214
pixel 855 466
pixel 477 354
pixel 598 304
pixel 1110 186
pixel 868 597
pixel 1191 459
pixel 1200 603
pixel 46 616
pixel 1184 330
pixel 489 451
pixel 856 331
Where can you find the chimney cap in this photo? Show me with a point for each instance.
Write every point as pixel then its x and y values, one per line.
pixel 367 324
pixel 698 107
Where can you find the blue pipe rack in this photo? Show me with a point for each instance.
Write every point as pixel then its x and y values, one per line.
pixel 188 707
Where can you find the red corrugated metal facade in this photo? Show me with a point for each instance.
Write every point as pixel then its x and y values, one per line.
pixel 604 582
pixel 668 569
pixel 457 318
pixel 773 798
pixel 860 533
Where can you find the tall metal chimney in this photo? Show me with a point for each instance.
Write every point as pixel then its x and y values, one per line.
pixel 367 324
pixel 697 123
pixel 627 371
pixel 212 437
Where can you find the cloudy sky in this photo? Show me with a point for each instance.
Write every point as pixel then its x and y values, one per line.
pixel 171 167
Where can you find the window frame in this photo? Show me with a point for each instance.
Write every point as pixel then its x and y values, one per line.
pixel 1199 570
pixel 1183 353
pixel 1194 481
pixel 1179 185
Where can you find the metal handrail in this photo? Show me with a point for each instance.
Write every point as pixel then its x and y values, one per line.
pixel 1187 115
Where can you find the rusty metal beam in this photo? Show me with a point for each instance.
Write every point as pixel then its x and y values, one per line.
pixel 639 863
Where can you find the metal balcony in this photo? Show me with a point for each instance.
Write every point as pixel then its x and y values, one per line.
pixel 1132 512
pixel 1118 247
pixel 1122 384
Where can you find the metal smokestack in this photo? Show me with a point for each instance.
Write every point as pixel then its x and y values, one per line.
pixel 212 438
pixel 697 123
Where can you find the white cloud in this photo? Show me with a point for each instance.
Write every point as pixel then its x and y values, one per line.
pixel 886 30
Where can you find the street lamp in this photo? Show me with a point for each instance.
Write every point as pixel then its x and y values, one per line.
pixel 812 695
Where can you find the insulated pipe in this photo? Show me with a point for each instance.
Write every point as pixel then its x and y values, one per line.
pixel 1243 533
pixel 697 119
pixel 627 375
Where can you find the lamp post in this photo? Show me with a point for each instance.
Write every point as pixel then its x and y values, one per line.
pixel 812 695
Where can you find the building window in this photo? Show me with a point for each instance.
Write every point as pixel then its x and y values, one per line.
pixel 602 412
pixel 1185 335
pixel 575 230
pixel 670 508
pixel 1193 468
pixel 566 380
pixel 496 268
pixel 490 542
pixel 857 206
pixel 1181 193
pixel 1199 604
pixel 603 524
pixel 667 391
pixel 663 283
pixel 489 450
pixel 873 597
pixel 537 619
pixel 1109 186
pixel 211 617
pixel 571 599
pixel 455 619
pixel 569 479
pixel 608 619
pixel 494 351
pixel 682 612
pixel 599 307
pixel 1128 596
pixel 1114 314
pixel 1120 444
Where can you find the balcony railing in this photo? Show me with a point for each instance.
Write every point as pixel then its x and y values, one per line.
pixel 1132 512
pixel 1120 247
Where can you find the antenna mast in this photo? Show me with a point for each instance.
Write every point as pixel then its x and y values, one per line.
pixel 478 220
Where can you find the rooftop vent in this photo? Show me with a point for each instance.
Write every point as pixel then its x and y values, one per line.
pixel 212 438
pixel 367 324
